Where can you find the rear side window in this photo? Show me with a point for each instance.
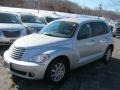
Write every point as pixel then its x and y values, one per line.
pixel 99 28
pixel 84 32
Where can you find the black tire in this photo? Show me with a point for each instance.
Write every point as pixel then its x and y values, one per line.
pixel 114 35
pixel 107 56
pixel 48 75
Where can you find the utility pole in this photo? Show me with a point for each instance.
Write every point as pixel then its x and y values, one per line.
pixel 54 2
pixel 67 4
pixel 100 9
pixel 38 6
pixel 34 1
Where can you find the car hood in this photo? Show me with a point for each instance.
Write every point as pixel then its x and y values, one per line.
pixel 33 25
pixel 5 26
pixel 35 40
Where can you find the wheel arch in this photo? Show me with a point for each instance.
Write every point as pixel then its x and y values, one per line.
pixel 112 46
pixel 64 57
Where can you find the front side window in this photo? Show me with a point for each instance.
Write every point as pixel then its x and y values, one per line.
pixel 99 28
pixel 9 18
pixel 31 19
pixel 84 32
pixel 62 29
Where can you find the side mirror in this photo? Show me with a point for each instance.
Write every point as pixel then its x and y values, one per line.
pixel 82 36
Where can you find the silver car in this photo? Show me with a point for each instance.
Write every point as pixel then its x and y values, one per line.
pixel 61 46
pixel 32 22
pixel 116 31
pixel 11 28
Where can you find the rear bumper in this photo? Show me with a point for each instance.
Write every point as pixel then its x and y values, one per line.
pixel 117 33
pixel 24 69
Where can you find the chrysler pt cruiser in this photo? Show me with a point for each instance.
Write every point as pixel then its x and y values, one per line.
pixel 59 47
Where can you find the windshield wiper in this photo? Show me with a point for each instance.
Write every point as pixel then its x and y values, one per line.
pixel 50 35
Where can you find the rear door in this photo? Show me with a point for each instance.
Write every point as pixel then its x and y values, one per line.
pixel 85 45
pixel 100 34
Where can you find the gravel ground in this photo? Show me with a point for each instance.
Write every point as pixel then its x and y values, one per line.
pixel 94 76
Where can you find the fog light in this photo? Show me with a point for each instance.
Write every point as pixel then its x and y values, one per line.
pixel 31 74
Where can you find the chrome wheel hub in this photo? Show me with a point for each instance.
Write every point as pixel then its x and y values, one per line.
pixel 58 72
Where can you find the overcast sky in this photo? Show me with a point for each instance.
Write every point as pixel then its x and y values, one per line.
pixel 107 4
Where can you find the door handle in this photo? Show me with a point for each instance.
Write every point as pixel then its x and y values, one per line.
pixel 92 40
pixel 102 41
pixel 106 37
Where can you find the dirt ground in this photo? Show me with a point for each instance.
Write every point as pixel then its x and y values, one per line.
pixel 94 76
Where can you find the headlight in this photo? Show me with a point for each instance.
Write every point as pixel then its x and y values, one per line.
pixel 39 58
pixel 30 30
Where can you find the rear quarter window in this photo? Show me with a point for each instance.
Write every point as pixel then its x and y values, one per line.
pixel 99 28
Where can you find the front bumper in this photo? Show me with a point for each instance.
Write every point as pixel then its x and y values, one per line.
pixel 5 40
pixel 24 69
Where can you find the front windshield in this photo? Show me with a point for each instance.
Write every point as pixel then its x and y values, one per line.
pixel 62 29
pixel 9 18
pixel 31 19
pixel 49 19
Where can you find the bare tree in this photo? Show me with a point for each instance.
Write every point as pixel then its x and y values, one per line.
pixel 63 6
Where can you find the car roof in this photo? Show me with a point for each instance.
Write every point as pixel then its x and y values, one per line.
pixel 80 20
pixel 6 12
pixel 24 13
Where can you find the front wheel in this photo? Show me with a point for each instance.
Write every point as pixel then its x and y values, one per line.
pixel 56 71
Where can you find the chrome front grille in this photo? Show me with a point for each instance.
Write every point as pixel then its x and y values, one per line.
pixel 16 53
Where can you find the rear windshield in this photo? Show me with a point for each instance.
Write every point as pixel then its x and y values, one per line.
pixel 9 18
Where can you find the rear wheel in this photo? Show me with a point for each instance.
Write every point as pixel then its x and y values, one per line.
pixel 57 71
pixel 108 55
